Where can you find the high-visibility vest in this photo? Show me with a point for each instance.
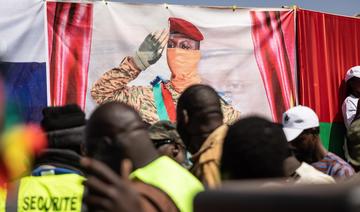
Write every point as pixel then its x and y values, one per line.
pixel 50 193
pixel 177 182
pixel 2 198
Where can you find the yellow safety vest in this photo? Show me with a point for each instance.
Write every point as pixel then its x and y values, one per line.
pixel 50 193
pixel 177 182
pixel 2 198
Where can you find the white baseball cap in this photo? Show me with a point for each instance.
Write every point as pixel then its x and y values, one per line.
pixel 297 119
pixel 352 72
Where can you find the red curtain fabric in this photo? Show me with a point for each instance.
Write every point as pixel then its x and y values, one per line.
pixel 69 39
pixel 273 35
pixel 327 48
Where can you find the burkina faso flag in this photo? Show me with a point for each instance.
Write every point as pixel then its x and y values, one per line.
pixel 328 45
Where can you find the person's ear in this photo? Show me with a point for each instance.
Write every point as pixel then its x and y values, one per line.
pixel 186 116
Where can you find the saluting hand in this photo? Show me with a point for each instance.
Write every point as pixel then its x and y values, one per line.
pixel 151 49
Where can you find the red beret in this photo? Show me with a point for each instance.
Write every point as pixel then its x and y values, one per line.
pixel 184 27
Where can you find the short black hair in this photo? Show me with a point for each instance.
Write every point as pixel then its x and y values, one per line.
pixel 203 107
pixel 102 132
pixel 200 98
pixel 254 148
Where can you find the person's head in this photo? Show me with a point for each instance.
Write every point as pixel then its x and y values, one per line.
pixel 352 79
pixel 183 54
pixel 65 127
pixel 301 127
pixel 167 141
pixel 114 132
pixel 184 35
pixel 254 148
pixel 198 114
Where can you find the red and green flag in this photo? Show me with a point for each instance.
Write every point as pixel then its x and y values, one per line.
pixel 327 46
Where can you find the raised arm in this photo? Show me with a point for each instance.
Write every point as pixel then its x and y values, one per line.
pixel 113 82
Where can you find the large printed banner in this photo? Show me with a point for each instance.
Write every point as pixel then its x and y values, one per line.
pixel 247 55
pixel 53 53
pixel 328 45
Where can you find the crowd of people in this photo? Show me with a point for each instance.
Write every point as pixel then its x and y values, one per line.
pixel 115 162
pixel 128 157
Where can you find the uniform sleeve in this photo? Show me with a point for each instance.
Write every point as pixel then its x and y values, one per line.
pixel 112 86
pixel 231 115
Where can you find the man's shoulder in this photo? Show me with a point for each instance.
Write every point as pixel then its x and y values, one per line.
pixel 333 156
pixel 153 198
pixel 327 161
pixel 339 163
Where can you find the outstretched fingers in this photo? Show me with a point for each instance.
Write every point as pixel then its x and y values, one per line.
pixel 164 40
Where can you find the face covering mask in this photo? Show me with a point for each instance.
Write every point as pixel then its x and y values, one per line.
pixel 183 65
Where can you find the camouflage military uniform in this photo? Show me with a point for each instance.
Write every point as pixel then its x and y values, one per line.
pixel 112 86
pixel 164 130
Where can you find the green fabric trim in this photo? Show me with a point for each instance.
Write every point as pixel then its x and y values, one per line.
pixel 159 102
pixel 332 136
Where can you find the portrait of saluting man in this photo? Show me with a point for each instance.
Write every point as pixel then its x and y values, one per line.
pixel 158 100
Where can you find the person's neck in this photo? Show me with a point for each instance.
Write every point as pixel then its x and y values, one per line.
pixel 320 151
pixel 290 165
